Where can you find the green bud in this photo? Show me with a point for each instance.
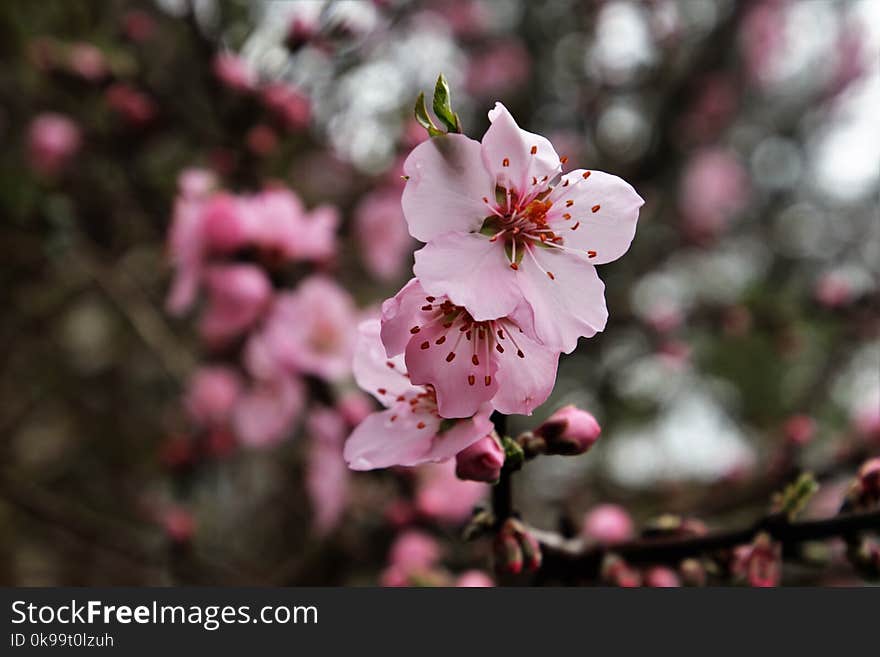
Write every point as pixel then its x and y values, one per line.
pixel 443 105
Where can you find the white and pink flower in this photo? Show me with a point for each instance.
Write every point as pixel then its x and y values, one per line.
pixel 508 233
pixel 410 431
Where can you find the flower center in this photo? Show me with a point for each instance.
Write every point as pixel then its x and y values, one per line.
pixel 461 336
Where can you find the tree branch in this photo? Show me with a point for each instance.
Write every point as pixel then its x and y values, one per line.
pixel 566 559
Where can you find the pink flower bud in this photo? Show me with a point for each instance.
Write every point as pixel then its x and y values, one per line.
pixel 759 563
pixel 138 25
pixel 799 429
pixel 482 461
pixel 262 140
pixel 52 140
pixel 869 481
pixel 474 579
pixel 618 572
pixel 134 106
pixel 662 578
pixel 394 577
pixel 233 72
pixel 608 524
pixel 569 431
pixel 414 550
pixel 516 550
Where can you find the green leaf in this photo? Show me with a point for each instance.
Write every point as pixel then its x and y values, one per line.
pixel 424 119
pixel 792 500
pixel 443 105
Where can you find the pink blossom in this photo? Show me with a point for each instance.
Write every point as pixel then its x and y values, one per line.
pixel 288 103
pixel 354 406
pixel 186 247
pixel 569 431
pixel 310 330
pixel 502 67
pixel 414 550
pixel 482 461
pixel 262 140
pixel 382 236
pixel 211 395
pixel 799 429
pixel 233 72
pixel 138 25
pixel 327 477
pixel 468 362
pixel 195 183
pixel 608 524
pixel 53 139
pixel 866 421
pixel 178 524
pixel 714 187
pixel 224 223
pixel 833 290
pixel 87 61
pixel 411 430
pixel 662 577
pixel 443 497
pixel 278 223
pixel 536 239
pixel 394 577
pixel 265 414
pixel 474 579
pixel 237 296
pixel 762 39
pixel 134 106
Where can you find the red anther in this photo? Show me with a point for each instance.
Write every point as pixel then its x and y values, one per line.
pixel 428 307
pixel 520 353
pixel 514 266
pixel 472 379
pixel 563 159
pixel 591 254
pixel 575 227
pixel 475 360
pixel 430 299
pixel 389 364
pixel 499 348
pixel 425 344
pixel 415 329
pixel 393 417
pixel 420 425
pixel 569 203
pixel 440 340
pixel 487 380
pixel 586 174
pixel 534 150
pixel 450 357
pixel 381 391
pixel 566 216
pixel 505 162
pixel 550 274
pixel 595 208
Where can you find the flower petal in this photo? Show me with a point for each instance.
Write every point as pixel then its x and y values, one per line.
pixel 568 306
pixel 461 435
pixel 399 314
pixel 392 437
pixel 446 186
pixel 472 271
pixel 524 383
pixel 603 209
pixel 383 377
pixel 460 384
pixel 507 153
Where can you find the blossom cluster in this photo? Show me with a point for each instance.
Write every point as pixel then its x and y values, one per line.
pixel 505 284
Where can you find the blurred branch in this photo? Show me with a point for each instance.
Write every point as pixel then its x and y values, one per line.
pixel 133 544
pixel 148 322
pixel 565 559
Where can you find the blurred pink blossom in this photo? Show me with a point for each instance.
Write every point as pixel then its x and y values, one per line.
pixel 234 72
pixel 799 429
pixel 762 39
pixel 661 577
pixel 713 188
pixel 178 523
pixel 327 476
pixel 385 244
pixel 262 140
pixel 138 25
pixel 608 524
pixel 443 497
pixel 833 290
pixel 312 329
pixel 87 61
pixel 414 550
pixel 265 414
pixel 504 66
pixel 237 296
pixel 474 579
pixel 211 395
pixel 53 139
pixel 355 406
pixel 132 105
pixel 289 104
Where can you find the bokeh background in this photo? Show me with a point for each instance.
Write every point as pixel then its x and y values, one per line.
pixel 742 344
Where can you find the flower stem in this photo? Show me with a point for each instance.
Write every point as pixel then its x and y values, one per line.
pixel 502 492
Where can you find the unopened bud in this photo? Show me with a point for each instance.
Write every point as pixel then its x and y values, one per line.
pixel 569 431
pixel 508 554
pixel 864 493
pixel 760 563
pixel 482 461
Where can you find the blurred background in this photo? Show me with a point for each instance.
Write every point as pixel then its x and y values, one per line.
pixel 157 428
